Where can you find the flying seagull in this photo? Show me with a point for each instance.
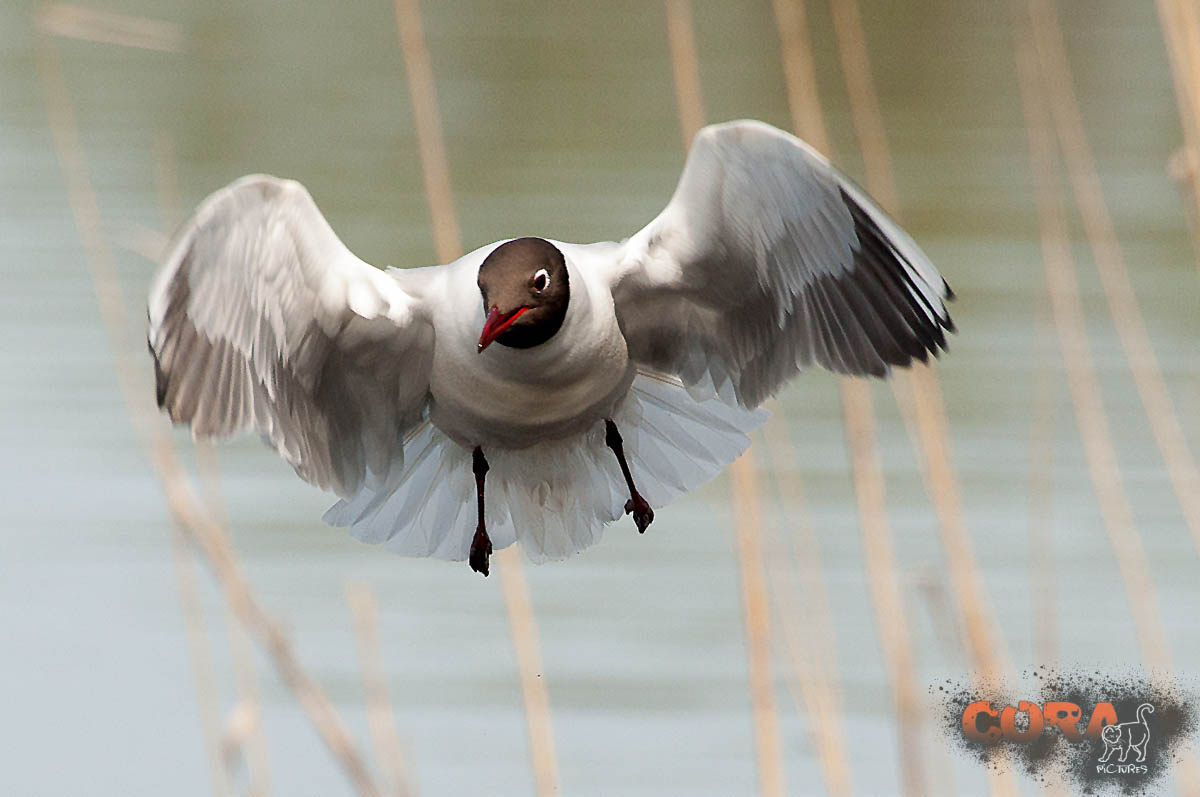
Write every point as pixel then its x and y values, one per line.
pixel 576 382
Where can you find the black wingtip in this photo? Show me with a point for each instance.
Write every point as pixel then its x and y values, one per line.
pixel 160 379
pixel 950 294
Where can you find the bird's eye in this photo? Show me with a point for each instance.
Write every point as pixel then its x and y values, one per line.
pixel 541 280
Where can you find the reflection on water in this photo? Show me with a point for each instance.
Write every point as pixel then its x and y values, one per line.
pixel 560 121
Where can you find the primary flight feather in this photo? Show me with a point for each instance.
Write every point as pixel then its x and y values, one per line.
pixel 572 382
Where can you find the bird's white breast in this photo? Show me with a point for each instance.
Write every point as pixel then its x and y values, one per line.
pixel 516 397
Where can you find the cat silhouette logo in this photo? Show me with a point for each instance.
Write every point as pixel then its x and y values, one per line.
pixel 1127 737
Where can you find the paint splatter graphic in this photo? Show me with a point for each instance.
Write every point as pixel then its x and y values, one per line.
pixel 1149 739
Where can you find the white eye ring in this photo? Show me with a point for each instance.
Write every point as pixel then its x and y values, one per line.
pixel 541 280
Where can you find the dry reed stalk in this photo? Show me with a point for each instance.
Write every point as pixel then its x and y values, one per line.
pixel 810 643
pixel 193 608
pixel 253 738
pixel 1181 31
pixel 448 246
pixel 1189 17
pixel 88 24
pixel 201 530
pixel 864 102
pixel 207 537
pixel 1181 34
pixel 800 75
pixel 1041 508
pixel 918 392
pixel 1110 262
pixel 203 669
pixel 756 615
pixel 431 143
pixel 389 750
pixel 988 655
pixel 1067 310
pixel 522 626
pixel 245 727
pixel 918 395
pixel 887 597
pixel 685 69
pixel 808 121
pixel 1045 82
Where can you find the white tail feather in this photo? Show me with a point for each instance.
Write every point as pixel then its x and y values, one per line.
pixel 556 496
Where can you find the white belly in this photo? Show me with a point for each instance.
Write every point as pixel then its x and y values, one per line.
pixel 515 398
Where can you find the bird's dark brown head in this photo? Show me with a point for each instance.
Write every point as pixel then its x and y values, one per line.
pixel 525 292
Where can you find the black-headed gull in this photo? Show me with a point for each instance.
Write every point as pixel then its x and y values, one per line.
pixel 578 381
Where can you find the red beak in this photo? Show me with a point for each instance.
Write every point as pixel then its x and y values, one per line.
pixel 496 323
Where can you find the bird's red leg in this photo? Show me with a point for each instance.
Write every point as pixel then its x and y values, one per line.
pixel 481 544
pixel 643 515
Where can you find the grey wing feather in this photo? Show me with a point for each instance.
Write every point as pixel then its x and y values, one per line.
pixel 261 319
pixel 767 260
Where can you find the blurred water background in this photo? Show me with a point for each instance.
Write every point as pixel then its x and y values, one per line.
pixel 560 120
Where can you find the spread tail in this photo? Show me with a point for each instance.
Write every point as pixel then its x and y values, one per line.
pixel 556 496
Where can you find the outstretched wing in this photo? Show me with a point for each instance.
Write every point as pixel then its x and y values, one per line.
pixel 766 260
pixel 262 319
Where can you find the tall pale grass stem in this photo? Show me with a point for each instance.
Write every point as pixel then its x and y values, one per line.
pixel 448 246
pixel 685 67
pixel 381 718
